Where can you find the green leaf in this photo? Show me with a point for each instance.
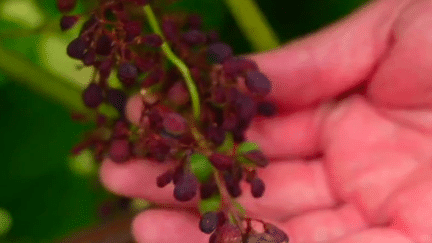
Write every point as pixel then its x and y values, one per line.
pixel 227 145
pixel 201 166
pixel 210 204
pixel 246 147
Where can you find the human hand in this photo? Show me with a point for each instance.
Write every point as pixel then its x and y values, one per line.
pixel 355 98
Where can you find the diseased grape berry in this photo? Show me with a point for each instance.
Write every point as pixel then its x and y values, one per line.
pixel 228 233
pixel 164 179
pixel 117 98
pixel 257 157
pixel 76 49
pixel 186 188
pixel 221 161
pixel 67 22
pixel 66 5
pixel 209 222
pixel 194 37
pixel 119 150
pixel 174 124
pixel 104 45
pixel 276 233
pixel 261 238
pixel 219 52
pixel 257 187
pixel 266 108
pixel 258 83
pixel 92 96
pixel 178 94
pixel 127 73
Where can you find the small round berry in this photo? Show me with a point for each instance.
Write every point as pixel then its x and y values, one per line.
pixel 92 96
pixel 266 108
pixel 76 49
pixel 258 83
pixel 66 5
pixel 221 161
pixel 178 94
pixel 219 52
pixel 257 187
pixel 104 45
pixel 186 188
pixel 208 222
pixel 119 150
pixel 174 124
pixel 276 233
pixel 164 179
pixel 67 22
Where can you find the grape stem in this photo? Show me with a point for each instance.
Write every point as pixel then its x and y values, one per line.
pixel 176 61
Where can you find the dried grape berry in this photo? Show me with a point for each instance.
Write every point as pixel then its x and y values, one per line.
pixel 127 73
pixel 117 98
pixel 208 222
pixel 186 188
pixel 76 49
pixel 66 5
pixel 174 124
pixel 276 233
pixel 266 108
pixel 219 52
pixel 261 238
pixel 119 150
pixel 258 83
pixel 228 233
pixel 92 95
pixel 257 187
pixel 164 179
pixel 67 22
pixel 221 161
pixel 104 45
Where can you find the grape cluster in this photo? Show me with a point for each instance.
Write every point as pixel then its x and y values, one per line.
pixel 206 147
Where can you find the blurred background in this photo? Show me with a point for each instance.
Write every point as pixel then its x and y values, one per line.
pixel 46 195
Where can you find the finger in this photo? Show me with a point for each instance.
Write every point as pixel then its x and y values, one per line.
pixel 382 235
pixel 325 225
pixel 403 78
pixel 332 60
pixel 162 226
pixel 368 157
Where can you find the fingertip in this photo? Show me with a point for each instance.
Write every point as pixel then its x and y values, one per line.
pixel 162 226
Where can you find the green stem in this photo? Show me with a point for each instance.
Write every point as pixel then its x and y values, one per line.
pixel 253 24
pixel 42 81
pixel 176 61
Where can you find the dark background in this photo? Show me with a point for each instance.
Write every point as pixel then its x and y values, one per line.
pixel 46 199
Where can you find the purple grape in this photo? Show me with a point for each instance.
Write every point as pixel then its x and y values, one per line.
pixel 144 64
pixel 159 150
pixel 105 69
pixel 127 73
pixel 66 5
pixel 219 95
pixel 178 94
pixel 92 96
pixel 194 37
pixel 174 124
pixel 212 36
pixel 119 150
pixel 216 134
pixel 133 29
pixel 164 179
pixel 232 185
pixel 246 108
pixel 152 40
pixel 213 238
pixel 195 21
pixel 67 22
pixel 208 222
pixel 276 233
pixel 104 45
pixel 121 129
pixel 250 175
pixel 221 161
pixel 257 187
pixel 266 108
pixel 258 83
pixel 89 57
pixel 76 49
pixel 156 120
pixel 228 233
pixel 186 188
pixel 261 238
pixel 153 78
pixel 230 121
pixel 178 174
pixel 117 98
pixel 219 52
pixel 170 29
pixel 208 189
pixel 90 24
pixel 257 157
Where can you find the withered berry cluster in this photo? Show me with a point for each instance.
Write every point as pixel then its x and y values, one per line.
pixel 194 114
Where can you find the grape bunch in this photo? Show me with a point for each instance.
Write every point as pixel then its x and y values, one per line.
pixel 194 113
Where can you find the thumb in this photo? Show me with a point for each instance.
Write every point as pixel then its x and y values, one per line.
pixel 333 60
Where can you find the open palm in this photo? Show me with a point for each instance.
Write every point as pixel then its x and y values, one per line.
pixel 351 147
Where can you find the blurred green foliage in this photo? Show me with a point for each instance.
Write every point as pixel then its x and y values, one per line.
pixel 45 198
